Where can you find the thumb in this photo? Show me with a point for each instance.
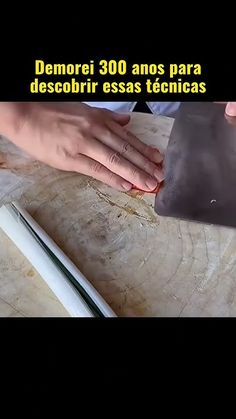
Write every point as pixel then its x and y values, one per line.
pixel 230 109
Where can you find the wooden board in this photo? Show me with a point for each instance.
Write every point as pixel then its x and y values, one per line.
pixel 142 264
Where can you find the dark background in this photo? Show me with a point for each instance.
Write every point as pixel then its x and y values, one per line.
pixel 18 65
pixel 69 357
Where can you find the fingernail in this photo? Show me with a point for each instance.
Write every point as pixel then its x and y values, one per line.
pixel 159 175
pixel 126 186
pixel 151 183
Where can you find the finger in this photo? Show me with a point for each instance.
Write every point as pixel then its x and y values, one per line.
pixel 128 151
pixel 120 118
pixel 230 109
pixel 231 119
pixel 89 167
pixel 152 153
pixel 116 163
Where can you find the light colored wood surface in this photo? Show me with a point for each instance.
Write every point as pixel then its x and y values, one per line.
pixel 142 264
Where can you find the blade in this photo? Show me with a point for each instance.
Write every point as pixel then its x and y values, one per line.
pixel 200 166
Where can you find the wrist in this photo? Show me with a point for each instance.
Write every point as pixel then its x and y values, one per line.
pixel 13 116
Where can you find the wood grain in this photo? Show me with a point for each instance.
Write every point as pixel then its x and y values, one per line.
pixel 142 264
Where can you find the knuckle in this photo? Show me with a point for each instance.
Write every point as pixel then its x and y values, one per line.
pixel 73 147
pixel 90 123
pixel 99 129
pixel 96 167
pixel 72 144
pixel 126 148
pixel 84 121
pixel 111 176
pixel 114 158
pixel 85 124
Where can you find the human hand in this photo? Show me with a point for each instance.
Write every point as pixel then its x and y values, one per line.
pixel 92 141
